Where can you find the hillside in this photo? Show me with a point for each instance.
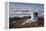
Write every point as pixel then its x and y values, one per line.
pixel 15 22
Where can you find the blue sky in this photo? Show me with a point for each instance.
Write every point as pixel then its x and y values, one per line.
pixel 27 5
pixel 14 5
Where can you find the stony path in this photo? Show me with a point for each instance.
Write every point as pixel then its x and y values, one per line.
pixel 16 24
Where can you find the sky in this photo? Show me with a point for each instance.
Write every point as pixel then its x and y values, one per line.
pixel 14 5
pixel 27 5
